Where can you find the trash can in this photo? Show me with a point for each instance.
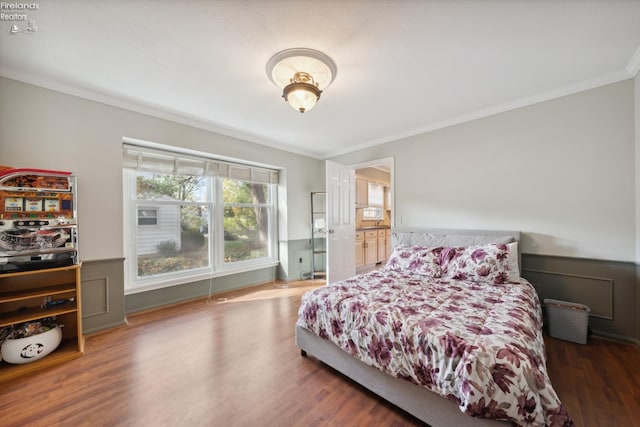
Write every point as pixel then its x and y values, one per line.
pixel 567 320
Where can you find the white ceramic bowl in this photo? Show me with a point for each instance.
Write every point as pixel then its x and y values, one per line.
pixel 30 349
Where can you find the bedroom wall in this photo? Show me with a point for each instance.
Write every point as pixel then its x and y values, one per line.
pixel 561 171
pixel 46 129
pixel 637 139
pixel 637 159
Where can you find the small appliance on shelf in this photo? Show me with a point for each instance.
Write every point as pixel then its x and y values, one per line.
pixel 38 220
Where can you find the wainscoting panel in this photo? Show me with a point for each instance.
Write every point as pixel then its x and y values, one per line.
pixel 98 304
pixel 293 269
pixel 609 288
pixel 594 292
pixel 102 294
pixel 188 291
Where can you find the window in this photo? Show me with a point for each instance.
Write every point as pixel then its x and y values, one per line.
pixel 192 218
pixel 371 214
pixel 177 244
pixel 147 216
pixel 246 220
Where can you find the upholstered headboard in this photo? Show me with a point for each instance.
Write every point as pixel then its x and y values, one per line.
pixel 452 237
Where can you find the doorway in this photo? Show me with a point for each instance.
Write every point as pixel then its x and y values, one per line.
pixel 374 213
pixel 350 220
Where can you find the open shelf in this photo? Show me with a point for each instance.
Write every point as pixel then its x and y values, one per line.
pixel 36 293
pixel 30 314
pixel 21 297
pixel 41 271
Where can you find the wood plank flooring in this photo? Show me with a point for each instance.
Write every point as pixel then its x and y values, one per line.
pixel 232 361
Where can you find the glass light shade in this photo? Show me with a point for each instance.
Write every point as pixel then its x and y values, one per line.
pixel 302 74
pixel 301 96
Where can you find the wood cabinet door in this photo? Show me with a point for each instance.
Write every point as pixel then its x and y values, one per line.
pixel 382 245
pixel 359 253
pixel 362 192
pixel 371 250
pixel 382 248
pixel 387 198
pixel 388 246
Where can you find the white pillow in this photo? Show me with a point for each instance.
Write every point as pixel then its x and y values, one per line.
pixel 514 262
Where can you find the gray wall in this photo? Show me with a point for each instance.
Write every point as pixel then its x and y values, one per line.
pixel 637 138
pixel 562 171
pixel 606 287
pixel 174 294
pixel 102 294
pixel 42 128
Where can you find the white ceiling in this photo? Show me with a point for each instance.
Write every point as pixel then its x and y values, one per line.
pixel 404 67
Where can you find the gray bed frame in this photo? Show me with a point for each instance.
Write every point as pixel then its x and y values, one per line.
pixel 418 401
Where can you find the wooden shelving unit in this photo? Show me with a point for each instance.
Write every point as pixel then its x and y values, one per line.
pixel 22 296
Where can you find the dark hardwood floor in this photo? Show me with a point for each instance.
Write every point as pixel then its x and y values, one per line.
pixel 233 362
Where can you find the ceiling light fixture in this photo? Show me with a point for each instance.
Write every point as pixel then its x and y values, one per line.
pixel 302 74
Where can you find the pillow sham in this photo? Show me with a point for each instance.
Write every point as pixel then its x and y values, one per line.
pixel 423 260
pixel 492 263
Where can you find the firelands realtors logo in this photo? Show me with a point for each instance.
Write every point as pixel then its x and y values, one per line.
pixel 19 14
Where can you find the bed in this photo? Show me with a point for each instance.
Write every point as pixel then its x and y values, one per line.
pixel 447 331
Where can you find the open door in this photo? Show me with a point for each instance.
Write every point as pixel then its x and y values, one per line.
pixel 341 223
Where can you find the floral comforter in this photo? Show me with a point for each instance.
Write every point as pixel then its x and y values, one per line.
pixel 477 344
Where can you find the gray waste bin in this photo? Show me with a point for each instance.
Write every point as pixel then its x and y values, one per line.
pixel 567 320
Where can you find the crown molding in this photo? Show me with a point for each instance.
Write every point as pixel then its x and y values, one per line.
pixel 147 109
pixel 519 103
pixel 173 116
pixel 633 67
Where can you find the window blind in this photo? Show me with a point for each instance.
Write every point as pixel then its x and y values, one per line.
pixel 154 160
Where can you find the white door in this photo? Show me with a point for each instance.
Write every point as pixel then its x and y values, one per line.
pixel 341 223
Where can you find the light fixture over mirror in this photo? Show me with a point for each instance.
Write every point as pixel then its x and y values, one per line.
pixel 302 74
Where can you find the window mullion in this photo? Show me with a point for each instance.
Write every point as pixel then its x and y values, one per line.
pixel 219 221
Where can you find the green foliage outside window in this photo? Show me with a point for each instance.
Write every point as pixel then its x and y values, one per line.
pixel 191 252
pixel 245 221
pixel 245 224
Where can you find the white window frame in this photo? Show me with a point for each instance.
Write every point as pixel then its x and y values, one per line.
pixel 217 266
